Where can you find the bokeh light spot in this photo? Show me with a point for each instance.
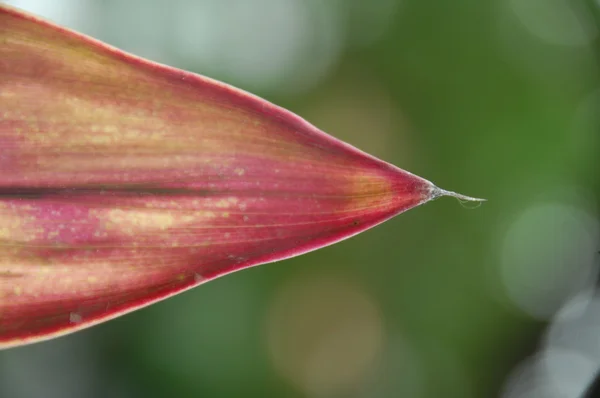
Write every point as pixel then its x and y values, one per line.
pixel 324 334
pixel 361 112
pixel 277 46
pixel 575 327
pixel 548 255
pixel 72 13
pixel 555 21
pixel 554 373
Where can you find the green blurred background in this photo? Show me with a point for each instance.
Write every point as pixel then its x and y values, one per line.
pixel 498 99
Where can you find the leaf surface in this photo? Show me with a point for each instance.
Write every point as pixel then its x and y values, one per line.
pixel 123 182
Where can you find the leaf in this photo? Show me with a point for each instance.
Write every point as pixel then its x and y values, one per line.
pixel 123 182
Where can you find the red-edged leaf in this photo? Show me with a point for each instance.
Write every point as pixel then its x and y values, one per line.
pixel 123 182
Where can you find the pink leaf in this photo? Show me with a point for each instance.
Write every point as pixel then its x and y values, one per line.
pixel 123 182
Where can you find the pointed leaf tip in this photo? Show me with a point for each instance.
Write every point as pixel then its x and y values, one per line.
pixel 437 192
pixel 123 182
